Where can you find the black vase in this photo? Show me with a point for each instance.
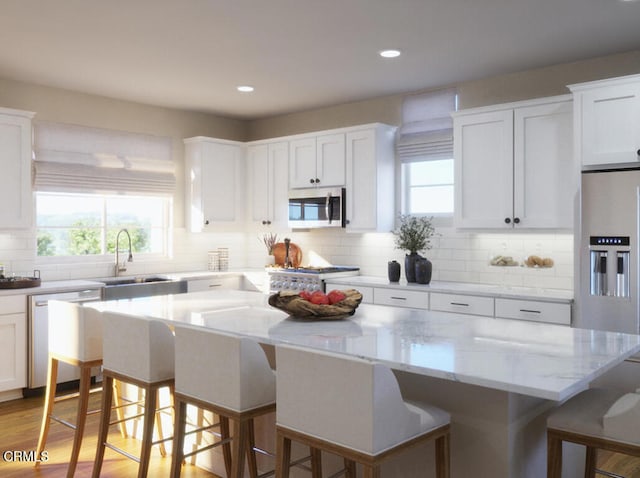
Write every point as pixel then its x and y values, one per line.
pixel 423 270
pixel 410 266
pixel 393 269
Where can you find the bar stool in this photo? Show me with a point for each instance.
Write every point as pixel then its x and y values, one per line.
pixel 76 339
pixel 352 408
pixel 140 352
pixel 598 419
pixel 229 376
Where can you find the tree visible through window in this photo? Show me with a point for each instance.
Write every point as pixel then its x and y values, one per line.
pixel 87 224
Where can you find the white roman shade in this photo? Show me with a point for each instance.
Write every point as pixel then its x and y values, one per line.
pixel 427 127
pixel 71 158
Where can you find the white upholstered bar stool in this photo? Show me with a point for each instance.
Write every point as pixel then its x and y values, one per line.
pixel 229 376
pixel 352 408
pixel 140 352
pixel 598 419
pixel 75 338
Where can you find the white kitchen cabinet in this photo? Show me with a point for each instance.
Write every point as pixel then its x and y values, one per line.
pixel 15 162
pixel 268 166
pixel 215 184
pixel 414 299
pixel 370 201
pixel 13 342
pixel 317 161
pixel 462 304
pixel 607 121
pixel 215 283
pixel 514 165
pixel 533 310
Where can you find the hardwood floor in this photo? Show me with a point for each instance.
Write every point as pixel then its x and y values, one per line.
pixel 19 429
pixel 20 425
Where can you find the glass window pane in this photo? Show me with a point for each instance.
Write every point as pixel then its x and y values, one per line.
pixel 432 172
pixel 431 200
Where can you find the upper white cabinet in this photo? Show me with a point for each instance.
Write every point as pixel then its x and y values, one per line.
pixel 370 179
pixel 15 161
pixel 514 165
pixel 215 186
pixel 268 167
pixel 317 160
pixel 607 121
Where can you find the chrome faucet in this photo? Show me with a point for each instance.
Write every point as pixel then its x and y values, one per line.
pixel 121 268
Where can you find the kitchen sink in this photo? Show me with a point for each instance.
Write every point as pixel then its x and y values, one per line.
pixel 131 287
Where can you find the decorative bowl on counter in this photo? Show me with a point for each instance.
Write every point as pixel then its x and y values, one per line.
pixel 299 307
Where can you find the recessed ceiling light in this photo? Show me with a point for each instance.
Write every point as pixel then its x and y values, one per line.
pixel 245 88
pixel 389 53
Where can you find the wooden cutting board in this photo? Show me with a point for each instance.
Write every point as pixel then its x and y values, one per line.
pixel 279 252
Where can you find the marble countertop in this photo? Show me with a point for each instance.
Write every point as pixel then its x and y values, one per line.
pixel 539 360
pixel 509 292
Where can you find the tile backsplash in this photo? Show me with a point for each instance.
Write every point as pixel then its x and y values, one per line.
pixel 456 256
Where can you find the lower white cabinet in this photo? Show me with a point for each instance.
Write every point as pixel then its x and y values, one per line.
pixel 536 311
pixel 401 298
pixel 213 283
pixel 13 342
pixel 462 304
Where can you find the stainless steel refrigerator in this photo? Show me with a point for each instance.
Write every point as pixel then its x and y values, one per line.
pixel 607 252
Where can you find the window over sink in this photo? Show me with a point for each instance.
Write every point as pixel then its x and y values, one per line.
pixel 71 224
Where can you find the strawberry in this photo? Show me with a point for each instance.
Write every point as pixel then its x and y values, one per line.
pixel 336 296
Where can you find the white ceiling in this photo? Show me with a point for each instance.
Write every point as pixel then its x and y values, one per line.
pixel 298 54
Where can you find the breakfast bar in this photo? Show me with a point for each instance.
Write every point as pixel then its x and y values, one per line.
pixel 498 378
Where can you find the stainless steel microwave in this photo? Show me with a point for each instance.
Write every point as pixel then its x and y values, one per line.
pixel 316 207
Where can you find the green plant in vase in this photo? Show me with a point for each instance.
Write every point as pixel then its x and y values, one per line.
pixel 414 234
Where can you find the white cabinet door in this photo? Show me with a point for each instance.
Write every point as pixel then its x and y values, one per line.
pixel 330 160
pixel 610 124
pixel 13 343
pixel 15 162
pixel 544 172
pixel 370 179
pixel 302 162
pixel 483 164
pixel 215 184
pixel 268 178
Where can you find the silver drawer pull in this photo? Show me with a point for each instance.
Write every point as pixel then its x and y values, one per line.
pixel 399 298
pixel 531 311
pixel 215 285
pixel 460 304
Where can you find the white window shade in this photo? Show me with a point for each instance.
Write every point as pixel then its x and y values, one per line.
pixel 71 158
pixel 427 127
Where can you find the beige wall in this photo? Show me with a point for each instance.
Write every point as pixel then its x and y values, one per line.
pixel 540 82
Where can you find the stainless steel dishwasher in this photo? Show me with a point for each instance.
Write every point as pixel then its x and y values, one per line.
pixel 39 335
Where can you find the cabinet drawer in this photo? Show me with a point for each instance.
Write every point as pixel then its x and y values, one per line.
pixel 13 304
pixel 401 298
pixel 234 282
pixel 549 312
pixel 462 304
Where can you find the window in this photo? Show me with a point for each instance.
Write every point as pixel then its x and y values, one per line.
pixel 425 149
pixel 87 224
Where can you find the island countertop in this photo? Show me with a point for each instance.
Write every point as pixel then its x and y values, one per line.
pixel 538 360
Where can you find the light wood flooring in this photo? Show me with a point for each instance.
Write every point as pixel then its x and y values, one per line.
pixel 20 425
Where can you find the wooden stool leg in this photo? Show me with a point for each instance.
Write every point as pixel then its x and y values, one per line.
pixel 316 463
pixel 283 455
pixel 371 471
pixel 239 448
pixel 225 433
pixel 150 404
pixel 107 398
pixel 177 454
pixel 251 454
pixel 554 456
pixel 198 435
pixel 117 394
pixel 443 455
pixel 349 468
pixel 590 462
pixel 81 419
pixel 49 399
pixel 158 425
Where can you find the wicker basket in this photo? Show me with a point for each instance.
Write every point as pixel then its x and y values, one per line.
pixel 296 306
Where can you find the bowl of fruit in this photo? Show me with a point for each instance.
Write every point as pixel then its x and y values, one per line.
pixel 336 304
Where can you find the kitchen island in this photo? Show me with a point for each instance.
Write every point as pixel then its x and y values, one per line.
pixel 498 378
